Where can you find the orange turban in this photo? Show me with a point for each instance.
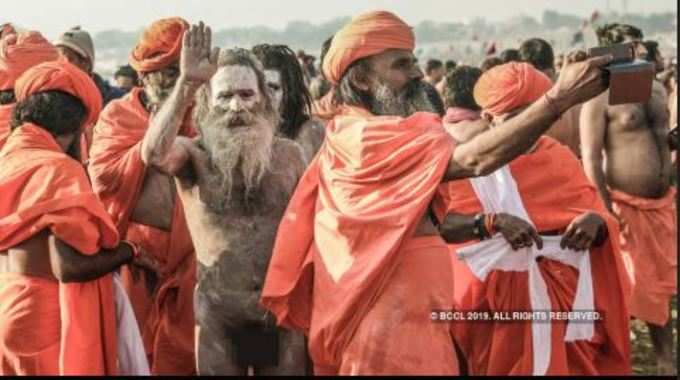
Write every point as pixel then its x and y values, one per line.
pixel 63 76
pixel 366 35
pixel 160 45
pixel 19 52
pixel 510 86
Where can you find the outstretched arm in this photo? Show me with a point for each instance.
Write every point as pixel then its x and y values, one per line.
pixel 488 151
pixel 69 265
pixel 197 65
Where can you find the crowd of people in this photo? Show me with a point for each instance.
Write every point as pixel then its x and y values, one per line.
pixel 239 211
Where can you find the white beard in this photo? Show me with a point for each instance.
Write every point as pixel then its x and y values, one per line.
pixel 244 152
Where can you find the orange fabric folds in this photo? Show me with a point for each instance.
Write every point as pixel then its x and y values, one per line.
pixel 63 76
pixel 166 318
pixel 368 34
pixel 346 228
pixel 19 52
pixel 554 191
pixel 160 45
pixel 5 117
pixel 510 86
pixel 44 188
pixel 649 239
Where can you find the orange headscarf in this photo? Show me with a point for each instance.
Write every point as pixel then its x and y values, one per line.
pixel 63 76
pixel 510 86
pixel 160 45
pixel 19 52
pixel 366 35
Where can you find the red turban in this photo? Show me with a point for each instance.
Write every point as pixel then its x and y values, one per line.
pixel 19 52
pixel 510 86
pixel 160 45
pixel 366 35
pixel 62 76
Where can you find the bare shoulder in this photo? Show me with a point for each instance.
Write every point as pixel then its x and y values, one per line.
pixel 288 153
pixel 311 137
pixel 313 127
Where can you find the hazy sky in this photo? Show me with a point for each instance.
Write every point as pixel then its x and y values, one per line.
pixel 53 16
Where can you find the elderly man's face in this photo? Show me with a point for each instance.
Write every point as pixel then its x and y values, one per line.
pixel 238 131
pixel 396 68
pixel 275 87
pixel 396 84
pixel 235 91
pixel 158 84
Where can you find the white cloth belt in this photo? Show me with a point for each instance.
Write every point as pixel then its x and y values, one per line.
pixel 498 193
pixel 131 355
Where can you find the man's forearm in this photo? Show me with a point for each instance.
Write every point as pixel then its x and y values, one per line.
pixel 76 267
pixel 166 124
pixel 496 147
pixel 458 228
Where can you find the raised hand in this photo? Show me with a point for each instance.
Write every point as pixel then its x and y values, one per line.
pixel 580 80
pixel 198 61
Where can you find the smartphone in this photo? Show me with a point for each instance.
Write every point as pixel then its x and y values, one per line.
pixel 622 53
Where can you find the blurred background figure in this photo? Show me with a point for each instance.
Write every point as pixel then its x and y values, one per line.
pixel 539 54
pixel 76 46
pixel 434 71
pixel 126 78
pixel 510 55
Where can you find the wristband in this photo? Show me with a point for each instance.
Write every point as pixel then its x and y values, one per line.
pixel 479 229
pixel 489 220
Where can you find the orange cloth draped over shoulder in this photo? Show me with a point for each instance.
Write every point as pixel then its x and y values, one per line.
pixel 160 45
pixel 554 190
pixel 649 239
pixel 18 53
pixel 117 171
pixel 346 268
pixel 51 328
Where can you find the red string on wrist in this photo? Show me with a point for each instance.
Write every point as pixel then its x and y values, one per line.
pixel 489 220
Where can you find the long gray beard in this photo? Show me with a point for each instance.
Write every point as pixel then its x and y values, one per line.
pixel 156 96
pixel 244 152
pixel 406 102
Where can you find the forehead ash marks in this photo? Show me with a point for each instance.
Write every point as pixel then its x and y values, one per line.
pixel 273 77
pixel 234 78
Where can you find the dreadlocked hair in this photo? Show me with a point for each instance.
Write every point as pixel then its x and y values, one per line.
pixel 296 103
